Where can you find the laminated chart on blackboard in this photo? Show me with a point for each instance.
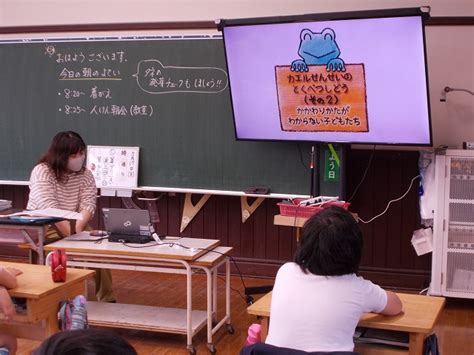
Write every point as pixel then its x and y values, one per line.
pixel 114 167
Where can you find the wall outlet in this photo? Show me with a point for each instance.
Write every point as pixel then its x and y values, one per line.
pixel 468 145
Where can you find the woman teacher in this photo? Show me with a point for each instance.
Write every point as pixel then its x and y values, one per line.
pixel 61 180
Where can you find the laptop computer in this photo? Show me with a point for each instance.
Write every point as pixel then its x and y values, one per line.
pixel 127 225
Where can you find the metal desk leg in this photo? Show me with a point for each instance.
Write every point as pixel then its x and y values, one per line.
pixel 189 302
pixel 214 295
pixel 209 278
pixel 37 248
pixel 41 246
pixel 227 295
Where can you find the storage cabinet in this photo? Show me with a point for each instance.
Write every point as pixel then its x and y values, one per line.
pixel 452 272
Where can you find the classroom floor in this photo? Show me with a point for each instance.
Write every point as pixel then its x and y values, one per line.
pixel 455 328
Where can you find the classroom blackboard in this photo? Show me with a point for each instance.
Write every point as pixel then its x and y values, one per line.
pixel 167 95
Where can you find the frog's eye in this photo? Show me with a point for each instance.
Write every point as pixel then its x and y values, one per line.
pixel 329 34
pixel 306 35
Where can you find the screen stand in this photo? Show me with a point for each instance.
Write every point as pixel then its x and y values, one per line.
pixel 314 171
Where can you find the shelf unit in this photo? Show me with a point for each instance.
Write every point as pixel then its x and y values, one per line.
pixel 452 271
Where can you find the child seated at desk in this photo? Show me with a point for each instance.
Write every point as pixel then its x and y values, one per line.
pixel 7 281
pixel 318 299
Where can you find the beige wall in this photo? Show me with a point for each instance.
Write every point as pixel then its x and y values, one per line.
pixel 450 48
pixel 36 12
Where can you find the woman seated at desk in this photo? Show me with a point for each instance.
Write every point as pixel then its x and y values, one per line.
pixel 60 180
pixel 317 300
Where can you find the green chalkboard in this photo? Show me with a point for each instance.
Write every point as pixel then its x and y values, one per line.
pixel 169 96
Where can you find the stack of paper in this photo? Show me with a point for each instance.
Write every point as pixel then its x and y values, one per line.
pixel 5 204
pixel 381 336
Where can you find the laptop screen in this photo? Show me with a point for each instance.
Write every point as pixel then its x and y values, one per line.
pixel 127 221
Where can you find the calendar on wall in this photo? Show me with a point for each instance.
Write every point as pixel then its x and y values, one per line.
pixel 113 167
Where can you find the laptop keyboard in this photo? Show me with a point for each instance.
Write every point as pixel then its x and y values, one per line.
pixel 129 238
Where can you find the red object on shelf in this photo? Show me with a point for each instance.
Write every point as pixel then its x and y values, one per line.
pixel 59 265
pixel 297 210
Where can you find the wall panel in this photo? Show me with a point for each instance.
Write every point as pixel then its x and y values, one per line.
pixel 261 247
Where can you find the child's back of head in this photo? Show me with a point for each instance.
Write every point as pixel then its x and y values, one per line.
pixel 85 342
pixel 331 243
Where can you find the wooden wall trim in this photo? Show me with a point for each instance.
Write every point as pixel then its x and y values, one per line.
pixel 103 27
pixel 451 21
pixel 398 279
pixel 150 26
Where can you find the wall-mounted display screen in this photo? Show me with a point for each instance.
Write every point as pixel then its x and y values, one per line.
pixel 339 78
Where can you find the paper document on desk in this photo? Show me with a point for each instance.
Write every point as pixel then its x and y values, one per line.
pixel 47 212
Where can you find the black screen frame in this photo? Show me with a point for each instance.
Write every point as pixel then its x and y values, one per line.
pixel 422 12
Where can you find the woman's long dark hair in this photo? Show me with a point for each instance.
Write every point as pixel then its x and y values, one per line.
pixel 63 145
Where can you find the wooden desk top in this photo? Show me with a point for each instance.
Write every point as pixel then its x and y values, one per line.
pixel 77 244
pixel 261 307
pixel 289 221
pixel 420 313
pixel 212 257
pixel 36 281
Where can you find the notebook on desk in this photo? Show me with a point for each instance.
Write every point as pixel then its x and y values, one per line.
pixel 127 225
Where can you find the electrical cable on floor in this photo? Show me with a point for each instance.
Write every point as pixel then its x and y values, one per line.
pixel 234 289
pixel 172 244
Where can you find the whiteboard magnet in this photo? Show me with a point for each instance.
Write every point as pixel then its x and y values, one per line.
pixel 124 193
pixel 107 192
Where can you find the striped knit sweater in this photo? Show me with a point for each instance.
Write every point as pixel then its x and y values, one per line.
pixel 77 194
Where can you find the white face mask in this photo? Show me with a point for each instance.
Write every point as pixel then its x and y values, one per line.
pixel 76 164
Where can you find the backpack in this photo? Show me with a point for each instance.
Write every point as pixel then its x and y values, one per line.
pixel 430 345
pixel 73 314
pixel 58 261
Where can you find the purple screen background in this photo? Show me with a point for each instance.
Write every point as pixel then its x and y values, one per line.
pixel 392 50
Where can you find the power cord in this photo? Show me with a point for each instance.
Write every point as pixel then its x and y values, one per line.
pixel 363 176
pixel 390 202
pixel 248 299
pixel 172 244
pixel 305 166
pixel 235 290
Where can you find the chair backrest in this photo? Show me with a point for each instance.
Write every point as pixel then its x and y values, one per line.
pixel 267 349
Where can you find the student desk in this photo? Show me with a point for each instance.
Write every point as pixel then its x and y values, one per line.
pixel 419 317
pixel 38 228
pixel 42 299
pixel 151 257
pixel 290 221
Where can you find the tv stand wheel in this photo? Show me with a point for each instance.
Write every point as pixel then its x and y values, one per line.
pixel 230 329
pixel 212 349
pixel 249 300
pixel 191 350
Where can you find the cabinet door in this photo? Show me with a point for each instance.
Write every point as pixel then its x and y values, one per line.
pixel 458 263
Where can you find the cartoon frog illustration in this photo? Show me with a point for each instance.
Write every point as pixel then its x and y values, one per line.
pixel 318 48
